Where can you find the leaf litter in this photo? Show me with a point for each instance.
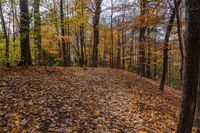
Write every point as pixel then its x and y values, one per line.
pixel 84 100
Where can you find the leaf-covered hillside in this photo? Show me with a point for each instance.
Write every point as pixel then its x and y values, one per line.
pixel 84 100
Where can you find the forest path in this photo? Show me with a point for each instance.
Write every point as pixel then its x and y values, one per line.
pixel 55 99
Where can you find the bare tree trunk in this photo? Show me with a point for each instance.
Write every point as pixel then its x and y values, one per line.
pixel 82 37
pixel 78 47
pixel 104 50
pixel 119 52
pixel 191 68
pixel 82 45
pixel 24 32
pixel 142 41
pixel 64 53
pixel 90 50
pixel 68 34
pixel 155 58
pixel 197 113
pixel 112 38
pixel 131 50
pixel 5 35
pixel 136 53
pixel 165 51
pixel 37 32
pixel 123 48
pixel 97 12
pixel 149 56
pixel 13 25
pixel 179 38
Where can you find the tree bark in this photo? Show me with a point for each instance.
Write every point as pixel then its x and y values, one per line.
pixel 197 113
pixel 5 35
pixel 131 54
pixel 37 32
pixel 165 49
pixel 149 56
pixel 155 57
pixel 82 37
pixel 142 41
pixel 104 50
pixel 64 53
pixel 179 38
pixel 13 21
pixel 82 42
pixel 191 68
pixel 123 43
pixel 112 38
pixel 119 52
pixel 97 12
pixel 68 48
pixel 24 32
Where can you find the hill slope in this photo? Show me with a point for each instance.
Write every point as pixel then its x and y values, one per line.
pixel 84 100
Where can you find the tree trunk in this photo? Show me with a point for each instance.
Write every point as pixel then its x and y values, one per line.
pixel 104 50
pixel 149 62
pixel 123 48
pixel 179 38
pixel 155 57
pixel 68 34
pixel 13 26
pixel 191 68
pixel 37 32
pixel 78 53
pixel 197 113
pixel 24 32
pixel 119 52
pixel 165 51
pixel 82 37
pixel 5 35
pixel 131 54
pixel 97 12
pixel 64 53
pixel 112 38
pixel 82 45
pixel 142 41
pixel 149 56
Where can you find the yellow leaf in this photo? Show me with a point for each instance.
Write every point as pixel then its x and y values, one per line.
pixel 142 132
pixel 16 129
pixel 96 113
pixel 17 117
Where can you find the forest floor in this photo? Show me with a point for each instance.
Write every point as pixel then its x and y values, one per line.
pixel 84 100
